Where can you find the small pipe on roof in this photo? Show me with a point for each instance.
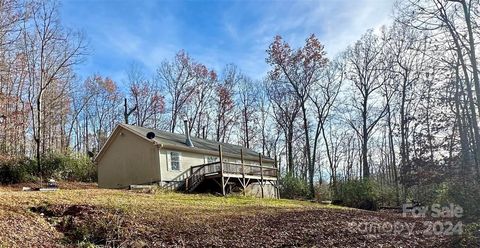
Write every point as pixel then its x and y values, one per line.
pixel 188 141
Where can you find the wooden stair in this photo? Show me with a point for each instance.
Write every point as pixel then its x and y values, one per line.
pixel 196 177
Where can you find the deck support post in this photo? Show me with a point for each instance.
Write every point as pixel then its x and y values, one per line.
pixel 277 173
pixel 261 173
pixel 243 172
pixel 221 168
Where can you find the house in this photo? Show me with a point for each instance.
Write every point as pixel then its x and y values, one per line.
pixel 135 155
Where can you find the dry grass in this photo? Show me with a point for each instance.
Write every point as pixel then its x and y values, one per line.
pixel 174 219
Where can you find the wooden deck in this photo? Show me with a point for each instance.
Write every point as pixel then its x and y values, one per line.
pixel 225 173
pixel 228 174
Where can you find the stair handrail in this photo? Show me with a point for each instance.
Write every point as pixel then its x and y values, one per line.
pixel 195 175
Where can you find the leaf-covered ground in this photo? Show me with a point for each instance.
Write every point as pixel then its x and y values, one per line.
pixel 164 219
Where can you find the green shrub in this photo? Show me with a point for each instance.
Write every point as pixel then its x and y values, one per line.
pixel 323 192
pixel 16 170
pixel 428 194
pixel 386 196
pixel 466 195
pixel 70 166
pixel 361 194
pixel 80 168
pixel 293 187
pixel 470 236
pixel 52 164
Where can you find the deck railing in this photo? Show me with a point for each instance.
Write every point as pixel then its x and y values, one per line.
pixel 223 168
pixel 234 168
pixel 249 169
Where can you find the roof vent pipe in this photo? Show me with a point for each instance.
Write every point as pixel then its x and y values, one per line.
pixel 188 142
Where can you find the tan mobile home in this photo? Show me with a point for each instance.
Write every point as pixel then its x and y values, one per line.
pixel 135 155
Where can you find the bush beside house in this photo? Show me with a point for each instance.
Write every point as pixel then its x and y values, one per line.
pixel 70 167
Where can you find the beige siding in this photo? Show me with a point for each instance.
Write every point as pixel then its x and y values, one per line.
pixel 129 159
pixel 187 160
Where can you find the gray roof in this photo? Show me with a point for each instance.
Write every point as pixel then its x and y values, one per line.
pixel 168 138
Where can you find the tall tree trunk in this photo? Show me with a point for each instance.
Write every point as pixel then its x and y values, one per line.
pixel 393 161
pixel 466 158
pixel 473 61
pixel 330 161
pixel 310 166
pixel 247 138
pixel 38 135
pixel 365 166
pixel 291 168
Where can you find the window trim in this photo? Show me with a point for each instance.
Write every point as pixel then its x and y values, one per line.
pixel 170 168
pixel 217 159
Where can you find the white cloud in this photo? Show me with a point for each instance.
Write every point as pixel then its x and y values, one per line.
pixel 156 31
pixel 336 23
pixel 355 19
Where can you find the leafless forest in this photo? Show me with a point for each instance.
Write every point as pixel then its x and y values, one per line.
pixel 399 107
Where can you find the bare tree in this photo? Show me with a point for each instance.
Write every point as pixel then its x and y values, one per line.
pixel 365 71
pixel 323 96
pixel 300 69
pixel 178 78
pixel 285 107
pixel 248 99
pixel 12 82
pixel 103 113
pixel 144 94
pixel 196 109
pixel 225 104
pixel 50 52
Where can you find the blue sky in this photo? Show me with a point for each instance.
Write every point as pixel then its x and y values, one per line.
pixel 120 32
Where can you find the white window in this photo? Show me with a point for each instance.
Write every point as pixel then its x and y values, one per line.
pixel 210 159
pixel 174 161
